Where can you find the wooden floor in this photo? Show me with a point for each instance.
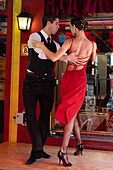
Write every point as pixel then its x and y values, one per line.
pixel 14 155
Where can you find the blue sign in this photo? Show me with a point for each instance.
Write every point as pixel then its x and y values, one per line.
pixel 62 38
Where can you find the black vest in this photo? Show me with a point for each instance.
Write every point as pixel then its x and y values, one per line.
pixel 41 67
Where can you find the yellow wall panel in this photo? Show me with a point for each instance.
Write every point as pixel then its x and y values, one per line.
pixel 14 72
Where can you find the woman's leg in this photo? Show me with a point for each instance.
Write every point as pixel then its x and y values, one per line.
pixel 79 145
pixel 67 133
pixel 77 132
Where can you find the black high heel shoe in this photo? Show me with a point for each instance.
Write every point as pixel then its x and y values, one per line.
pixel 80 150
pixel 61 157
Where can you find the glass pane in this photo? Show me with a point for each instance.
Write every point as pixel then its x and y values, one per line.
pixel 29 23
pixel 96 113
pixel 22 23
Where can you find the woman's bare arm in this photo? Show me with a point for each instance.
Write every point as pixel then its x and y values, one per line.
pixel 93 57
pixel 53 56
pixel 59 54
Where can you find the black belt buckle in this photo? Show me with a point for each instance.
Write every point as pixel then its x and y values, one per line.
pixel 32 74
pixel 45 77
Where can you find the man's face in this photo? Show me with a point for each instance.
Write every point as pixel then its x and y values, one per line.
pixel 54 26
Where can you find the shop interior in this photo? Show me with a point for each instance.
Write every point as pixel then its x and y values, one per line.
pixel 97 109
pixel 96 112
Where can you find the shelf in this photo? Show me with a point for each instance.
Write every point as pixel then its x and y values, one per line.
pixel 2 92
pixel 3 35
pixel 3 14
pixel 91 66
pixel 2 69
pixel 3 39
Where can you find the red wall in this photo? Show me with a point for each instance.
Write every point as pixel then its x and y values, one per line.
pixel 36 9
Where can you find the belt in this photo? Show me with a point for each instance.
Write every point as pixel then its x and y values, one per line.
pixel 35 75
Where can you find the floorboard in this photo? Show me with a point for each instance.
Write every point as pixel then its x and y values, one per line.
pixel 14 155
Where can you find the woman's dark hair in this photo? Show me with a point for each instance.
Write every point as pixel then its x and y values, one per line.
pixel 79 22
pixel 48 17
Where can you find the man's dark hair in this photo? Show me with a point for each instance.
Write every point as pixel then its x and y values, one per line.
pixel 48 17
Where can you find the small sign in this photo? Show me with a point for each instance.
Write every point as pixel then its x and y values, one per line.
pixel 24 50
pixel 62 38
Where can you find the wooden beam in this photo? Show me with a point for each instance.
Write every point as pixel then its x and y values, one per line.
pixel 100 38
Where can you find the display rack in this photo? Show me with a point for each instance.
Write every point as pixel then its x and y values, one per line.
pixel 3 39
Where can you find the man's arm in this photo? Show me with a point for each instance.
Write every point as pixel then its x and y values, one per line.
pixel 71 57
pixel 37 37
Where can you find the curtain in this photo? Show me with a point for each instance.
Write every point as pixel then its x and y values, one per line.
pixel 79 7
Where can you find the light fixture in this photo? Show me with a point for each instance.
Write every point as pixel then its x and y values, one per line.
pixel 24 21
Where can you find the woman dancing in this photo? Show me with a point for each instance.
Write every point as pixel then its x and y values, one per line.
pixel 73 83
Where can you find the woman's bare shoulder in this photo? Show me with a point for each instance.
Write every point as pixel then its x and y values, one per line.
pixel 88 43
pixel 94 45
pixel 67 42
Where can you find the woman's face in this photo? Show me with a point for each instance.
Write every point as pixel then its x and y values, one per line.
pixel 72 28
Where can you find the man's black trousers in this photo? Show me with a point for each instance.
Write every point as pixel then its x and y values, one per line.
pixel 36 89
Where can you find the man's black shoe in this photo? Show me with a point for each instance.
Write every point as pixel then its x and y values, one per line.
pixel 45 155
pixel 34 156
pixel 30 161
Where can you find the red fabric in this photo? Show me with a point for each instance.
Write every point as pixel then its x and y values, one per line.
pixel 79 7
pixel 73 89
pixel 72 92
pixel 33 9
